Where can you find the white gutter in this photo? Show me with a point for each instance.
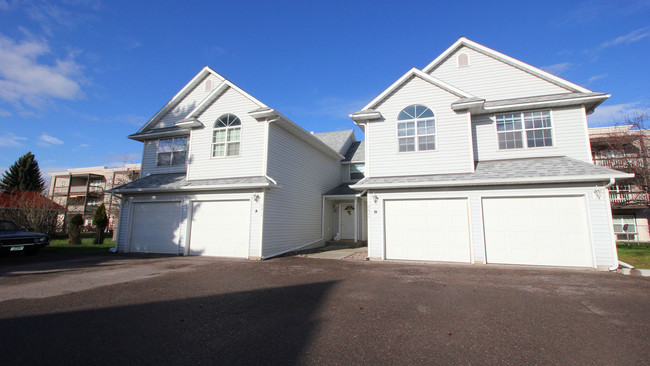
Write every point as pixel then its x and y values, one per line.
pixel 201 188
pixel 509 181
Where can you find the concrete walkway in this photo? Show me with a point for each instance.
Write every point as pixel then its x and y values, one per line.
pixel 337 253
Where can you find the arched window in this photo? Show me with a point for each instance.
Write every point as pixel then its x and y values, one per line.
pixel 463 60
pixel 416 123
pixel 226 136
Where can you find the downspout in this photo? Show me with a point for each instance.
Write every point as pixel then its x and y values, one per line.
pixel 606 189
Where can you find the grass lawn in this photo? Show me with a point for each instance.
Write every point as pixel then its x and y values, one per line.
pixel 635 254
pixel 86 247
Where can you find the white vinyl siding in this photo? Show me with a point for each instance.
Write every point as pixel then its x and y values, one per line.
pixel 601 233
pixel 187 104
pixel 567 133
pixel 453 153
pixel 293 211
pixel 491 79
pixel 201 164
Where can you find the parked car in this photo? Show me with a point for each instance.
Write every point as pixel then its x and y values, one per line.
pixel 13 239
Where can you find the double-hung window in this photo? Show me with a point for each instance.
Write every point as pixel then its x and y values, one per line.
pixel 531 128
pixel 416 129
pixel 172 151
pixel 226 136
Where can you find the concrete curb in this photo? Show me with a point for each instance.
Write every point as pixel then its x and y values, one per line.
pixel 635 272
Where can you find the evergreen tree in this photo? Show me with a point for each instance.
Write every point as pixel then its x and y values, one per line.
pixel 101 221
pixel 23 175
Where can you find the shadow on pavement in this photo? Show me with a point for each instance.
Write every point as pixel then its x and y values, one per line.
pixel 265 326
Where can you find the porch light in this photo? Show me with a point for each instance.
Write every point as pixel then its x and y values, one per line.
pixel 256 197
pixel 374 198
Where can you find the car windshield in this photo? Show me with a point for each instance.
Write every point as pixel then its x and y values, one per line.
pixel 8 226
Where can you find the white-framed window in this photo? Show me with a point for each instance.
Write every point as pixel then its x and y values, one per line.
pixel 172 151
pixel 534 129
pixel 356 171
pixel 416 129
pixel 624 227
pixel 226 137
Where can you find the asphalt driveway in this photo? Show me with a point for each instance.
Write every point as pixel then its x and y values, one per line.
pixel 120 309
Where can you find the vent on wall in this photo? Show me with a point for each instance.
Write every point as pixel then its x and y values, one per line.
pixel 463 60
pixel 208 85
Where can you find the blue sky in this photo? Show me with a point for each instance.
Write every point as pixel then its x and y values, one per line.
pixel 78 76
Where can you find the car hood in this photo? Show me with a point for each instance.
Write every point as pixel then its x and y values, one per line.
pixel 19 234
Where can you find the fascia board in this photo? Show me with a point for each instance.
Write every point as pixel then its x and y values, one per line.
pixel 221 88
pixel 496 182
pixel 149 136
pixel 506 59
pixel 202 188
pixel 548 103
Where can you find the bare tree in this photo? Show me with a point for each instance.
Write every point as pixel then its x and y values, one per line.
pixel 624 147
pixel 30 210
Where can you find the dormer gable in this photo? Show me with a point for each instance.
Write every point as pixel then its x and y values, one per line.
pixel 491 75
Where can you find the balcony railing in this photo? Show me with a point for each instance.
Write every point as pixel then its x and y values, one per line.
pixel 626 164
pixel 629 198
pixel 74 190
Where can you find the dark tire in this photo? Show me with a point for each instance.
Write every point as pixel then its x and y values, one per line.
pixel 31 251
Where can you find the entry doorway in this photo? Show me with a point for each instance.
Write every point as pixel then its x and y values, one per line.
pixel 346 221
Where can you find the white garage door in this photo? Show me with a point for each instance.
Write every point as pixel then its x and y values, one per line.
pixel 431 230
pixel 220 228
pixel 155 227
pixel 540 231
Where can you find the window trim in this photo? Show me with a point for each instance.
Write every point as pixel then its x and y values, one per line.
pixel 523 131
pixel 171 160
pixel 630 235
pixel 417 144
pixel 227 128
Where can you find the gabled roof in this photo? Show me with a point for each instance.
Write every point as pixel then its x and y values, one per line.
pixel 464 42
pixel 558 169
pixel 222 87
pixel 405 78
pixel 335 139
pixel 356 153
pixel 343 190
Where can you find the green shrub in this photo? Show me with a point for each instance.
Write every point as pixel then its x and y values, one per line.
pixel 100 220
pixel 74 233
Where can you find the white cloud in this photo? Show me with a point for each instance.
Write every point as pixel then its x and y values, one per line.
pixel 84 146
pixel 610 114
pixel 631 37
pixel 4 113
pixel 47 140
pixel 23 77
pixel 118 161
pixel 596 77
pixel 557 69
pixel 8 139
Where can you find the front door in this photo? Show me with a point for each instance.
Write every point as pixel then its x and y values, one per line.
pixel 346 220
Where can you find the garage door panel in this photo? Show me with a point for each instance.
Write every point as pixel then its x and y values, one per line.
pixel 155 227
pixel 220 228
pixel 537 231
pixel 435 230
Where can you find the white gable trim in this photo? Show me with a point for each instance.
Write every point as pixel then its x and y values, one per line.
pixel 426 77
pixel 179 96
pixel 462 41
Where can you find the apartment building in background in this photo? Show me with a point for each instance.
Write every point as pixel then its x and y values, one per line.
pixel 82 190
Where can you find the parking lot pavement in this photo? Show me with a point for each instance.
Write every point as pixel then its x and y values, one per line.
pixel 180 310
